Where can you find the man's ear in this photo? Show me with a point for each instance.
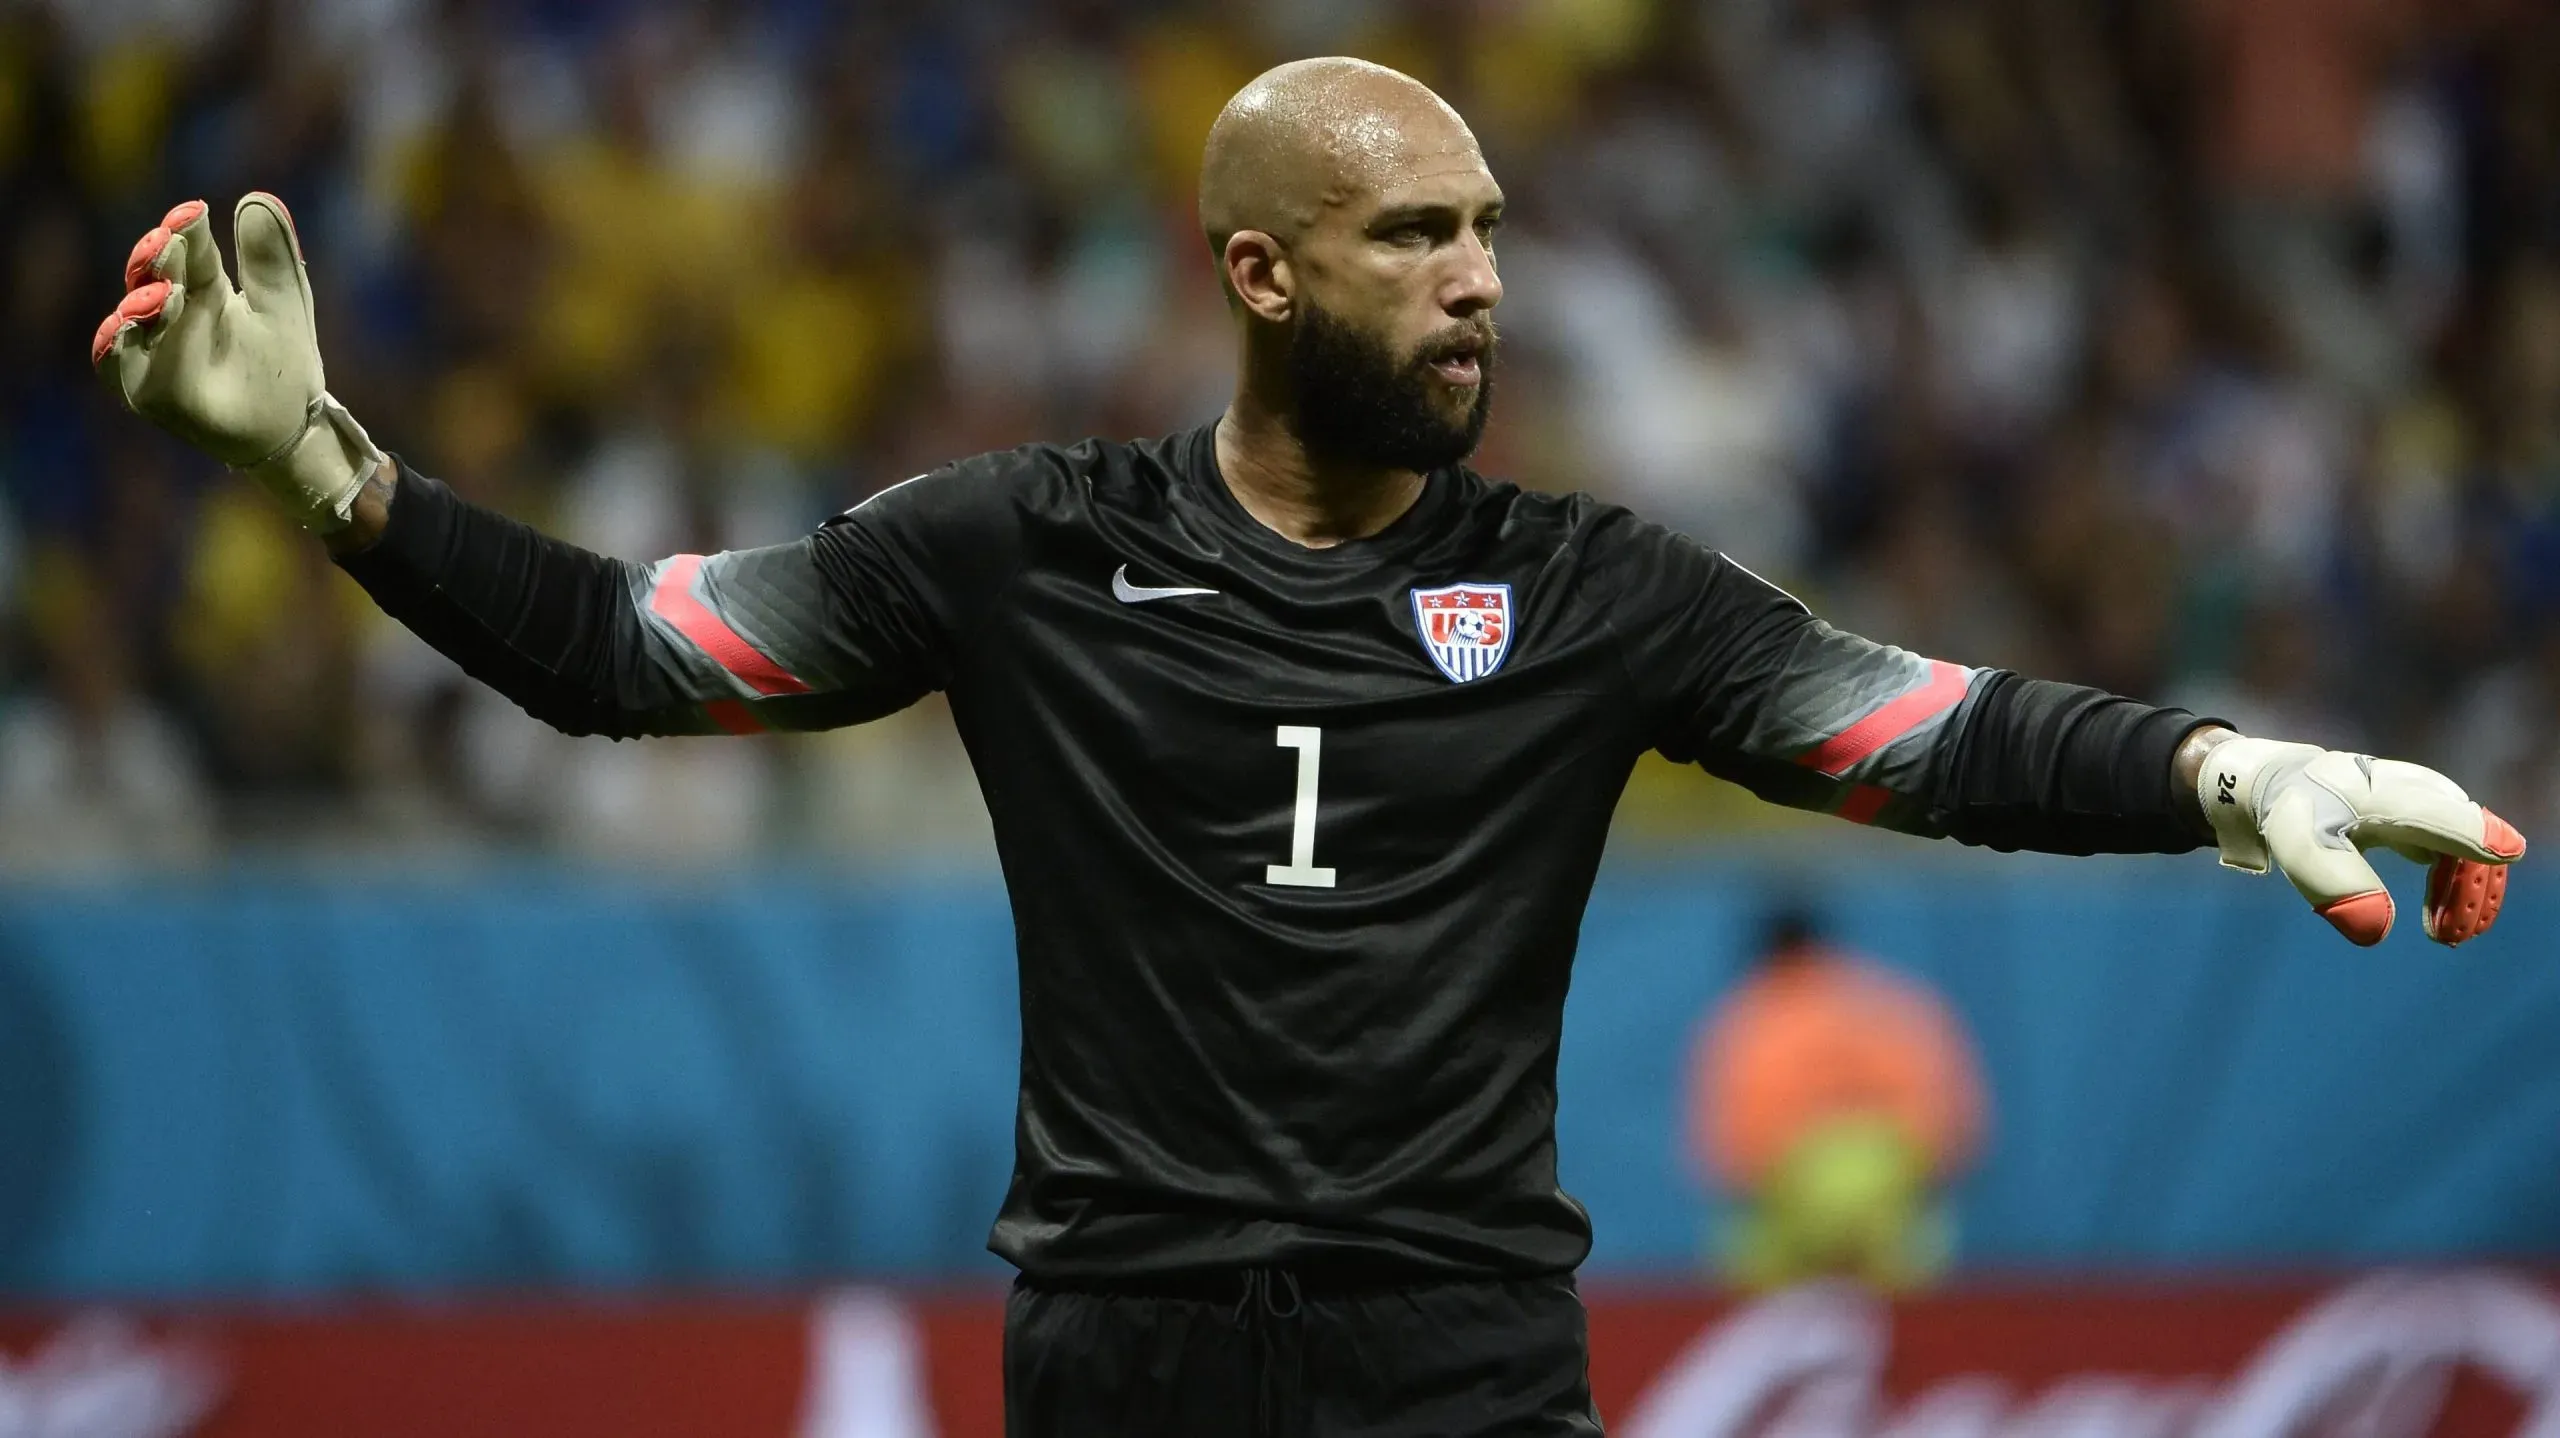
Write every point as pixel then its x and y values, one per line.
pixel 1259 276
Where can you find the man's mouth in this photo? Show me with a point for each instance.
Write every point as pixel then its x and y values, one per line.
pixel 1460 364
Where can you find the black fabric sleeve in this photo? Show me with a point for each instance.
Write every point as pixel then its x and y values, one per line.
pixel 545 623
pixel 852 622
pixel 1736 675
pixel 2064 769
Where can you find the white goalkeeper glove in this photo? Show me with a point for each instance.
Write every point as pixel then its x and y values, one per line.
pixel 2312 811
pixel 236 373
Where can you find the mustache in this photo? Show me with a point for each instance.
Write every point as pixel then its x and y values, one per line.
pixel 1476 337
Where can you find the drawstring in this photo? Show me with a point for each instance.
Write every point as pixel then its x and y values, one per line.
pixel 1259 1307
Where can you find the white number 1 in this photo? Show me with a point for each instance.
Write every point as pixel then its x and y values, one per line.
pixel 1301 870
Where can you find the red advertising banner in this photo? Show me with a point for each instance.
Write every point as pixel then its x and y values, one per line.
pixel 2447 1355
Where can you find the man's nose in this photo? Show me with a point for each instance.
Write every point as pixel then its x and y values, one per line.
pixel 1475 285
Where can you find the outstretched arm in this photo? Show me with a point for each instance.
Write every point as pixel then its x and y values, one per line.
pixel 1812 717
pixel 1747 683
pixel 738 642
pixel 845 625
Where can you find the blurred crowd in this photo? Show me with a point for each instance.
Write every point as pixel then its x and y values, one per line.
pixel 2204 349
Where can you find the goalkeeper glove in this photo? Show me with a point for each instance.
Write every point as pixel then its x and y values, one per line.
pixel 2311 812
pixel 236 373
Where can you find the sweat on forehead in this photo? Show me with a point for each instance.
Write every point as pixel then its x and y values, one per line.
pixel 1313 133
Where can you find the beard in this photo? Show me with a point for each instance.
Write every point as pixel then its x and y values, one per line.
pixel 1360 403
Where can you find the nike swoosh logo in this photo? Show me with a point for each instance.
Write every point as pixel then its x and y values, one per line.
pixel 1127 593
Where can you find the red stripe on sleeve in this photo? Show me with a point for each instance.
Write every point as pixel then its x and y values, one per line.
pixel 672 600
pixel 1864 803
pixel 1894 719
pixel 734 716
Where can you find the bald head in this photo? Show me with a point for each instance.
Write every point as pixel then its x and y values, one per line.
pixel 1314 135
pixel 1352 219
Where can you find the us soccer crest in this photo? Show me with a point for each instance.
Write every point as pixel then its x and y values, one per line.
pixel 1465 627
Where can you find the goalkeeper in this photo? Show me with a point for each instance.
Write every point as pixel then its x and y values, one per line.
pixel 1301 741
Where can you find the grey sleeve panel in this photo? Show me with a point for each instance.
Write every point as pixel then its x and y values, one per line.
pixel 683 666
pixel 1744 681
pixel 757 638
pixel 779 602
pixel 859 619
pixel 1848 726
pixel 1830 684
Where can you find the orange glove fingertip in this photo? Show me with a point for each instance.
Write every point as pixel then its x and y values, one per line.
pixel 2364 918
pixel 137 266
pixel 105 339
pixel 2463 899
pixel 2500 837
pixel 139 307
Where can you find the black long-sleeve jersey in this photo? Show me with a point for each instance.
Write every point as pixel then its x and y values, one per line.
pixel 1298 840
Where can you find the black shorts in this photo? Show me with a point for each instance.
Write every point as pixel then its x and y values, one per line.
pixel 1266 1353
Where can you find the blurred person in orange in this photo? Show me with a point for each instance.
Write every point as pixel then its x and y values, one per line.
pixel 1836 1099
